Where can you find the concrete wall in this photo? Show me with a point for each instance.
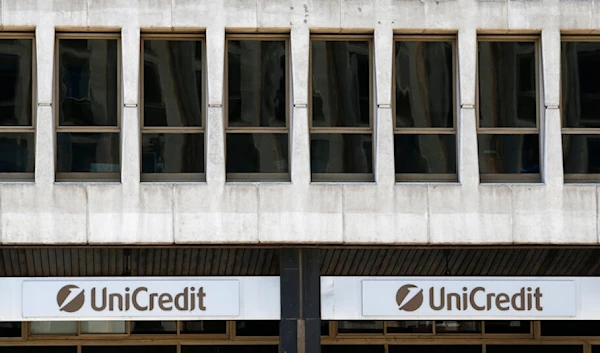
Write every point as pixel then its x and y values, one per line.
pixel 298 212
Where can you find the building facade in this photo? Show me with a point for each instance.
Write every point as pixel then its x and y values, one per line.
pixel 327 175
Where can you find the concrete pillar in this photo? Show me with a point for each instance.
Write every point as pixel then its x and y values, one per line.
pixel 299 134
pixel 215 131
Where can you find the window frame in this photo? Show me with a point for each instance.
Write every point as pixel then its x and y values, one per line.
pixel 575 177
pixel 250 177
pixel 88 176
pixel 428 177
pixel 343 177
pixel 512 177
pixel 31 129
pixel 173 177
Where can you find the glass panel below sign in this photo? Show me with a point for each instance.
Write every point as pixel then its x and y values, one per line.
pixel 54 328
pixel 10 329
pixel 153 327
pixel 535 349
pixel 409 327
pixel 204 327
pixel 352 349
pixel 458 327
pixel 103 327
pixel 570 328
pixel 35 349
pixel 129 349
pixel 507 326
pixel 435 349
pixel 230 349
pixel 360 326
pixel 261 328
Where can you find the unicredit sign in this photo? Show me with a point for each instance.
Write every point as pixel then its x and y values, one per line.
pixel 468 298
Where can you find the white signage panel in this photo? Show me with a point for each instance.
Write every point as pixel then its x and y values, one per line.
pixel 456 298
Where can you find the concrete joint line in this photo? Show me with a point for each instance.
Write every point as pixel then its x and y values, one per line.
pixel 552 106
pixel 44 104
pixel 300 105
pixel 384 106
pixel 215 105
pixel 467 106
pixel 130 105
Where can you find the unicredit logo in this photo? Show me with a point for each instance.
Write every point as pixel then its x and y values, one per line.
pixel 409 297
pixel 70 298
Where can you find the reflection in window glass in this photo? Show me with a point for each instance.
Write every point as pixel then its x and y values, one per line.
pixel 17 152
pixel 508 326
pixel 458 326
pixel 172 153
pixel 535 349
pixel 257 328
pixel 230 349
pixel 88 152
pixel 103 327
pixel 509 154
pixel 360 326
pixel 10 329
pixel 172 83
pixel 88 85
pixel 570 328
pixel 128 349
pixel 340 83
pixel 257 153
pixel 425 153
pixel 341 153
pixel 424 84
pixel 580 84
pixel 256 83
pixel 507 84
pixel 153 327
pixel 53 327
pixel 352 349
pixel 410 327
pixel 581 154
pixel 15 82
pixel 204 327
pixel 436 349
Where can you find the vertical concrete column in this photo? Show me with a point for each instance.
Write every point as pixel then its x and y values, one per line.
pixel 45 148
pixel 300 286
pixel 550 127
pixel 468 155
pixel 130 118
pixel 384 130
pixel 300 136
pixel 215 131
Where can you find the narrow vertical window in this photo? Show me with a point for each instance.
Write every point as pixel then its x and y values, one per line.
pixel 257 124
pixel 580 95
pixel 17 131
pixel 424 110
pixel 508 109
pixel 173 108
pixel 341 108
pixel 89 96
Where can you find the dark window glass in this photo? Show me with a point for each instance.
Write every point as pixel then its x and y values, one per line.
pixel 341 153
pixel 10 329
pixel 352 349
pixel 154 327
pixel 172 83
pixel 435 349
pixel 15 82
pixel 410 327
pixel 341 83
pixel 230 349
pixel 581 154
pixel 36 349
pixel 205 326
pixel 571 328
pixel 581 84
pixel 509 326
pixel 425 154
pixel 508 153
pixel 88 85
pixel 257 153
pixel 360 326
pixel 324 328
pixel 257 328
pixel 128 349
pixel 535 349
pixel 424 84
pixel 595 349
pixel 172 153
pixel 256 83
pixel 88 152
pixel 458 326
pixel 17 152
pixel 507 84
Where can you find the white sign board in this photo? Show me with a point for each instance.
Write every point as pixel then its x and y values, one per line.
pixel 460 298
pixel 140 298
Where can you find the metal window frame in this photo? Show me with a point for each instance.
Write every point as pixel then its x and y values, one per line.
pixel 173 177
pixel 576 177
pixel 428 177
pixel 88 176
pixel 344 177
pixel 258 177
pixel 512 177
